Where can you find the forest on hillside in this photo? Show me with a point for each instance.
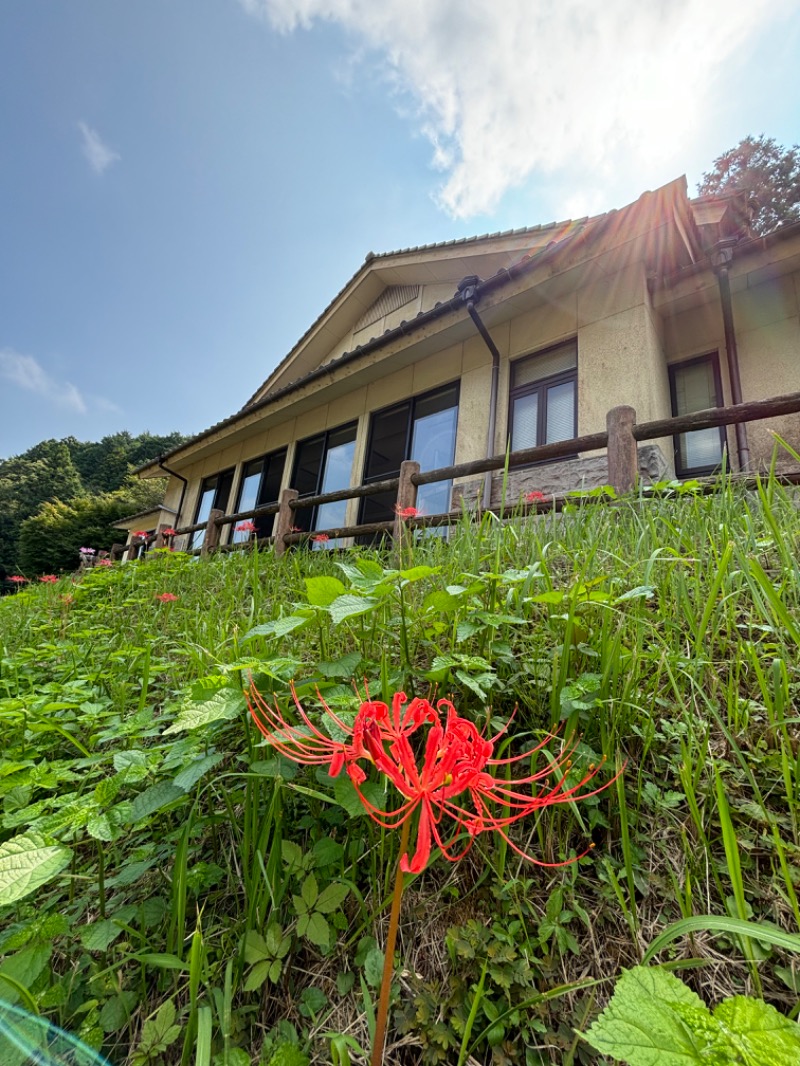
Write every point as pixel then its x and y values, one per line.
pixel 62 494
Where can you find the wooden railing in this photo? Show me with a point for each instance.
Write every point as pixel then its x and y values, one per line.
pixel 620 440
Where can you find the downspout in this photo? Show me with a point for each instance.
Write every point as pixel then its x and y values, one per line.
pixel 467 288
pixel 721 258
pixel 180 477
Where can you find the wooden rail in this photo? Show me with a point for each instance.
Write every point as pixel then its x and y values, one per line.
pixel 620 441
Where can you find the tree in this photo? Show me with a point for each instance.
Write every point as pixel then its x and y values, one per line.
pixel 767 171
pixel 50 540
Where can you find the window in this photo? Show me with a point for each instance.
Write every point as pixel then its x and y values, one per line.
pixel 695 386
pixel 543 398
pixel 324 464
pixel 260 485
pixel 214 493
pixel 422 428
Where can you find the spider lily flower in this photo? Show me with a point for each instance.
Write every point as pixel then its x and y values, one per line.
pixel 48 579
pixel 86 551
pixel 140 534
pixel 406 512
pixel 446 774
pixel 320 538
pixel 167 597
pixel 535 497
pixel 246 527
pixel 168 532
pixel 18 579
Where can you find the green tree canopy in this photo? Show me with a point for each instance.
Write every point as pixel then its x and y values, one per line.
pixel 765 170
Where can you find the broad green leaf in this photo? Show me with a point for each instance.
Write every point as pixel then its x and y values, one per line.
pixel 761 1035
pixel 317 930
pixel 326 852
pixel 349 606
pixel 346 796
pixel 100 935
pixel 309 891
pixel 117 1010
pixel 278 766
pixel 189 777
pixel 331 898
pixel 641 1026
pixel 100 828
pixel 344 667
pixel 440 602
pixel 153 799
pixel 26 863
pixel 224 705
pixel 23 968
pixel 280 627
pixel 255 948
pixel 258 975
pixel 373 967
pixel 322 591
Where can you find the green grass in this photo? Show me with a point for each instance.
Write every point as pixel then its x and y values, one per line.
pixel 662 632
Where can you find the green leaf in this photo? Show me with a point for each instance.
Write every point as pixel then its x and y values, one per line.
pixel 373 967
pixel 322 591
pixel 331 898
pixel 641 1026
pixel 153 799
pixel 278 766
pixel 159 1032
pixel 343 667
pixel 317 930
pixel 309 891
pixel 26 863
pixel 326 852
pixel 100 935
pixel 346 796
pixel 189 777
pixel 280 627
pixel 350 606
pixel 258 975
pixel 761 1035
pixel 223 706
pixel 23 968
pixel 717 923
pixel 116 1011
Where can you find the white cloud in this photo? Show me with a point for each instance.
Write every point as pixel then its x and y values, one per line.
pixel 572 91
pixel 99 155
pixel 27 373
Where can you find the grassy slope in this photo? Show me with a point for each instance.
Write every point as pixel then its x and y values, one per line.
pixel 663 632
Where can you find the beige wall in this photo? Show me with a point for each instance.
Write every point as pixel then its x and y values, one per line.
pixel 624 347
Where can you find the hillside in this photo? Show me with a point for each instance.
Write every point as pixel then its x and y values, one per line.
pixel 188 894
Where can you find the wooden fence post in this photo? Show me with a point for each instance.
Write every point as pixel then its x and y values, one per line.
pixel 133 549
pixel 623 456
pixel 406 497
pixel 285 519
pixel 159 541
pixel 211 539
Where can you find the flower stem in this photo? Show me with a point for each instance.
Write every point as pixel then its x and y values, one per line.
pixel 388 961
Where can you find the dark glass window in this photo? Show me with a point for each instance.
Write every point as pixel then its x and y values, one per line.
pixel 422 428
pixel 214 493
pixel 695 386
pixel 260 485
pixel 324 463
pixel 543 398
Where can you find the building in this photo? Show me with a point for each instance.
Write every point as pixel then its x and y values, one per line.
pixel 444 353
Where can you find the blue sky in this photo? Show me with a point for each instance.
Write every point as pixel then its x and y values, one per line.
pixel 187 183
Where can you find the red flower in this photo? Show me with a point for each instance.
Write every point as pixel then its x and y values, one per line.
pixel 168 532
pixel 104 562
pixel 535 497
pixel 405 512
pixel 453 783
pixel 167 597
pixel 246 527
pixel 320 538
pixel 142 534
pixel 49 579
pixel 18 579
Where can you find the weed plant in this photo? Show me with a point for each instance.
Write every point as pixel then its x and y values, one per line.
pixel 174 892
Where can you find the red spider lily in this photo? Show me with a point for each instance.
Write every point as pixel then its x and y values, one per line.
pixel 142 534
pixel 169 532
pixel 167 597
pixel 18 579
pixel 48 579
pixel 246 527
pixel 453 783
pixel 321 538
pixel 535 497
pixel 105 562
pixel 406 512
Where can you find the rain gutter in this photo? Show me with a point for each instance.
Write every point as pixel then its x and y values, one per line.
pixel 721 258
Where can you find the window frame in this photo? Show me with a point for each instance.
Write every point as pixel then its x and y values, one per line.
pixel 196 539
pixel 539 386
pixel 712 359
pixel 266 459
pixel 412 402
pixel 324 436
